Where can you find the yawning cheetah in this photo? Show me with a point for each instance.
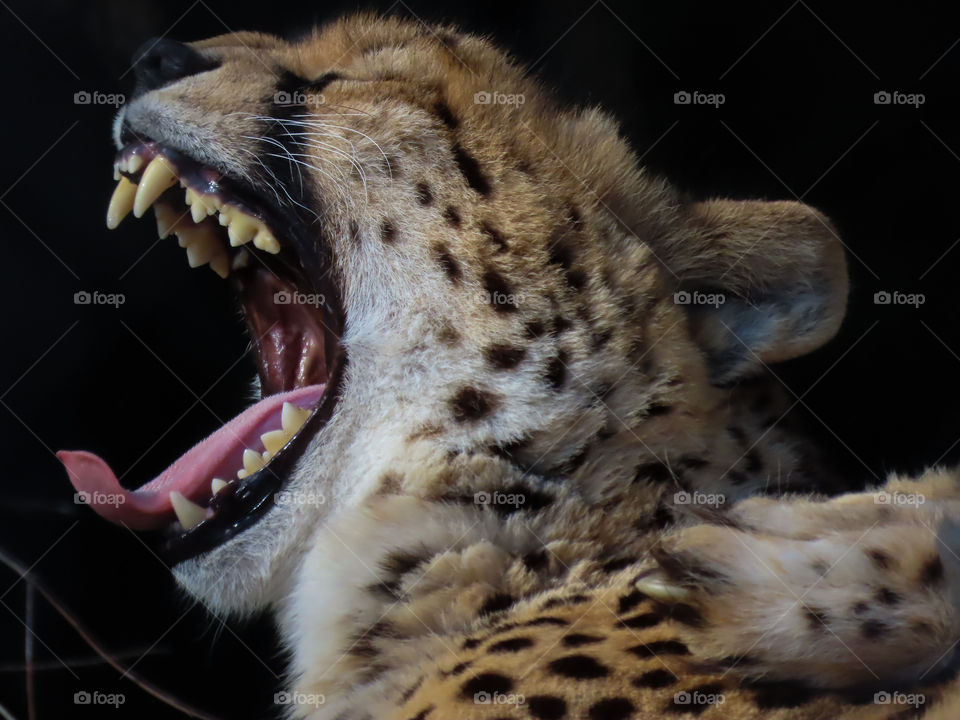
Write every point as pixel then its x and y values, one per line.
pixel 518 454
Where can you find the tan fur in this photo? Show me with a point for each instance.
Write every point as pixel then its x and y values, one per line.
pixel 598 399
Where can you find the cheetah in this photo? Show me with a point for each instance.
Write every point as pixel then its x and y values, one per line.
pixel 519 451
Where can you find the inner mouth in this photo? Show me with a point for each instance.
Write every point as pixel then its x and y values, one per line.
pixel 229 480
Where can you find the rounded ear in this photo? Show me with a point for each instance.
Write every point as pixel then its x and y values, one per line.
pixel 763 281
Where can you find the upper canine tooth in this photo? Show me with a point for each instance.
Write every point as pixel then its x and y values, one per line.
pixel 242 229
pixel 292 417
pixel 158 176
pixel 121 203
pixel 274 440
pixel 266 241
pixel 188 512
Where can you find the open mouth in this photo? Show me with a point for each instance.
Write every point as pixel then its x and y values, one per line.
pixel 228 481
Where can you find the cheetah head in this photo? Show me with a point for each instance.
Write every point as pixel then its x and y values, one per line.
pixel 434 259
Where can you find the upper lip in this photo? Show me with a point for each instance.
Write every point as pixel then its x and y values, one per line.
pixel 297 257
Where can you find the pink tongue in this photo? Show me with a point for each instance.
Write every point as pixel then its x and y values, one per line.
pixel 218 456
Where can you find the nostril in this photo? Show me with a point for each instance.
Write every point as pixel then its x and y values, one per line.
pixel 159 62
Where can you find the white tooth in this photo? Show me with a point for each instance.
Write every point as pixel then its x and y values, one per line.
pixel 216 485
pixel 252 461
pixel 266 241
pixel 158 176
pixel 134 163
pixel 274 440
pixel 241 474
pixel 198 210
pixel 220 262
pixel 190 196
pixel 167 219
pixel 116 173
pixel 202 248
pixel 121 203
pixel 188 512
pixel 225 212
pixel 266 455
pixel 242 229
pixel 292 418
pixel 240 260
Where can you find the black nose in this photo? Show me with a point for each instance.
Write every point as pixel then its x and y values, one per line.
pixel 159 62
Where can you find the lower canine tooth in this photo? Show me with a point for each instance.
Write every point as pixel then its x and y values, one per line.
pixel 158 176
pixel 188 512
pixel 121 203
pixel 202 249
pixel 167 219
pixel 252 461
pixel 220 262
pixel 216 485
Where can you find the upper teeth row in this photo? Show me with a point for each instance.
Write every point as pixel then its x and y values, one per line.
pixel 292 418
pixel 202 244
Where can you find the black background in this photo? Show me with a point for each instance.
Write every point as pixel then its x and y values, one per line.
pixel 141 383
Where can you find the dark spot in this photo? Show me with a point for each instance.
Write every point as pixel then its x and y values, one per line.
pixel 556 371
pixel 860 608
pixel 452 216
pixel 691 462
pixel 753 462
pixel 448 334
pixel 363 644
pixel 570 465
pixel 881 559
pixel 874 629
pixel 499 293
pixel 446 262
pixel 470 404
pixel 546 621
pixel 817 618
pixel 424 194
pixel 819 567
pixel 781 694
pixel 496 603
pixel 495 237
pixel 459 668
pixel 643 620
pixel 888 597
pixel 442 111
pixel 490 683
pixel 687 614
pixel 559 253
pixel 736 477
pixel 546 707
pixel 617 564
pixel 577 279
pixel 535 560
pixel 611 709
pixel 738 434
pixel 534 329
pixel 471 643
pixel 574 217
pixel 932 572
pixel 579 640
pixel 629 602
pixel 578 667
pixel 423 713
pixel 601 338
pixel 511 645
pixel 658 409
pixel 560 324
pixel 659 647
pixel 562 601
pixel 470 169
pixel 504 357
pixel 388 233
pixel 408 693
pixel 653 472
pixel 655 679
